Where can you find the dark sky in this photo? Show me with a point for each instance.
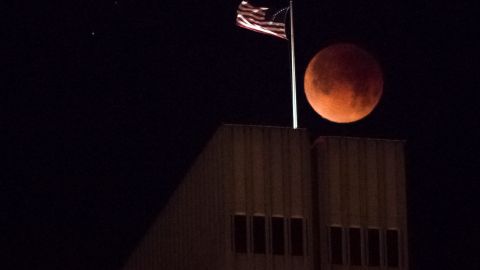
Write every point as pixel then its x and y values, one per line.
pixel 106 104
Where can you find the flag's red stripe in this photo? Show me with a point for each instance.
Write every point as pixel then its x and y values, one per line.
pixel 254 18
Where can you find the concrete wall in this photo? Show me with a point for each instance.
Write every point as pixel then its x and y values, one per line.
pixel 360 183
pixel 189 232
pixel 267 171
pixel 268 174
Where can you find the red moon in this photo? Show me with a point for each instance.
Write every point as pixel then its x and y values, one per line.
pixel 343 83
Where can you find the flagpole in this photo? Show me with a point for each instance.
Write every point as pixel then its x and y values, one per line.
pixel 292 55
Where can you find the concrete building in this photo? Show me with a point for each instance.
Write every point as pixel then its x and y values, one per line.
pixel 268 198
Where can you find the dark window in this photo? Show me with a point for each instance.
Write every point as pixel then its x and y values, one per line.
pixel 373 247
pixel 240 233
pixel 296 236
pixel 355 246
pixel 278 236
pixel 392 248
pixel 259 241
pixel 336 246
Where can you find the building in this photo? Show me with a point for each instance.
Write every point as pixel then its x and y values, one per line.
pixel 268 198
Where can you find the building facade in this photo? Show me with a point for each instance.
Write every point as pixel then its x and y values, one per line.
pixel 268 198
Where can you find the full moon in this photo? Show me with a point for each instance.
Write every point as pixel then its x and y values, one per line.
pixel 343 83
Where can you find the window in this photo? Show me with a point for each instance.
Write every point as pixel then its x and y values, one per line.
pixel 255 228
pixel 259 241
pixel 373 247
pixel 392 248
pixel 278 236
pixel 355 246
pixel 240 233
pixel 336 246
pixel 296 236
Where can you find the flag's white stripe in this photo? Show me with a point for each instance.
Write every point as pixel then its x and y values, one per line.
pixel 249 14
pixel 250 7
pixel 278 29
pixel 246 24
pixel 260 21
pixel 253 9
pixel 262 30
pixel 253 18
pixel 263 23
pixel 266 23
pixel 245 4
pixel 257 13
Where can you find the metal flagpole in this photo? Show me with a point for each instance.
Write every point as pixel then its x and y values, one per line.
pixel 294 84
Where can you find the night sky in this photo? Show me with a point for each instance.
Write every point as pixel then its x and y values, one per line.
pixel 107 103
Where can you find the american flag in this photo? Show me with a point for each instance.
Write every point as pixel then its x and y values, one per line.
pixel 262 19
